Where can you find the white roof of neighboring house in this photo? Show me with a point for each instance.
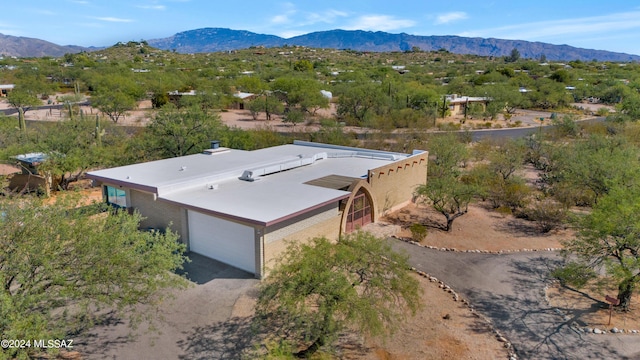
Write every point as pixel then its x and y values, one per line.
pixel 243 95
pixel 454 99
pixel 176 92
pixel 212 184
pixel 326 94
pixel 7 86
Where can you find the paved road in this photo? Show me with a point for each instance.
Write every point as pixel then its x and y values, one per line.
pixel 509 289
pixel 197 324
pixel 514 133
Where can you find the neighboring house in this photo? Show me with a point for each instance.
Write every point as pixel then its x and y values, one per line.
pixel 30 178
pixel 242 207
pixel 458 104
pixel 240 99
pixel 5 88
pixel 175 96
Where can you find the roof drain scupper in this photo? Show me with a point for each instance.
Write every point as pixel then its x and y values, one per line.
pixel 253 174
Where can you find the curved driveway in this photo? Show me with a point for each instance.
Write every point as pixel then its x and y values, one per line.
pixel 509 290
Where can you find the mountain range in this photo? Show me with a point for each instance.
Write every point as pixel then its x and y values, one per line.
pixel 30 47
pixel 222 39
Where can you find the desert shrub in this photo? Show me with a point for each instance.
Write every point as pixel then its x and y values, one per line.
pixel 418 231
pixel 547 214
pixel 603 111
pixel 504 210
pixel 568 195
pixel 448 126
pixel 512 193
pixel 565 127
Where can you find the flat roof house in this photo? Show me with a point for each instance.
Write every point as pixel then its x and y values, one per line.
pixel 458 104
pixel 5 89
pixel 240 207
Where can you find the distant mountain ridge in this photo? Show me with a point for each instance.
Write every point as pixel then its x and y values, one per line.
pixel 30 47
pixel 220 39
pixel 223 39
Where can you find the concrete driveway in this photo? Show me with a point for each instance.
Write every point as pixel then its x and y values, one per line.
pixel 196 324
pixel 509 290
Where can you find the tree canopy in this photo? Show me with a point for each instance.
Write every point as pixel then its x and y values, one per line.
pixel 319 289
pixel 445 189
pixel 60 263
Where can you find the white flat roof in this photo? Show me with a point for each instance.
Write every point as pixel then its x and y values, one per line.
pixel 210 183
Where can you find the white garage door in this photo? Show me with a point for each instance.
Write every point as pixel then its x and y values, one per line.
pixel 222 240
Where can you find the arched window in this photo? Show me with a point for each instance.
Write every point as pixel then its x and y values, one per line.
pixel 359 213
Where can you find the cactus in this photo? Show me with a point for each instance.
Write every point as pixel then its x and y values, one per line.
pixel 21 123
pixel 99 132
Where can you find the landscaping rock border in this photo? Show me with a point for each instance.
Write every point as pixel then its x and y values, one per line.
pixel 497 252
pixel 499 337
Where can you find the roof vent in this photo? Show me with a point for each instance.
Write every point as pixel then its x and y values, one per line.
pixel 215 144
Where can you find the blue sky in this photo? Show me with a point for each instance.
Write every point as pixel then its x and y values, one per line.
pixel 612 25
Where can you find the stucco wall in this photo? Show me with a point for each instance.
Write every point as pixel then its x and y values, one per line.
pixel 394 185
pixel 321 222
pixel 158 214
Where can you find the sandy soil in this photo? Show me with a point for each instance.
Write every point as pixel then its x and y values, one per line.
pixel 479 229
pixel 442 329
pixel 589 308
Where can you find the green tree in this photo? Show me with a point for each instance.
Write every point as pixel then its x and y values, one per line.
pixel 446 189
pixel 60 263
pixel 293 117
pixel 609 237
pixel 513 56
pixel 176 132
pixel 506 159
pixel 115 94
pixel 300 92
pixel 303 65
pixel 270 105
pixel 320 289
pixel 114 104
pixel 595 165
pixel 357 102
pixel 22 101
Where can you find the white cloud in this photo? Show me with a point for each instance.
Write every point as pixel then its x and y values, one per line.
pixel 327 17
pixel 581 27
pixel 285 17
pixel 280 19
pixel 379 23
pixel 290 34
pixel 451 17
pixel 79 2
pixel 152 7
pixel 113 19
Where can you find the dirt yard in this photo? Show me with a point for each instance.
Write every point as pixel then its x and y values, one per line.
pixel 442 329
pixel 479 229
pixel 588 307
